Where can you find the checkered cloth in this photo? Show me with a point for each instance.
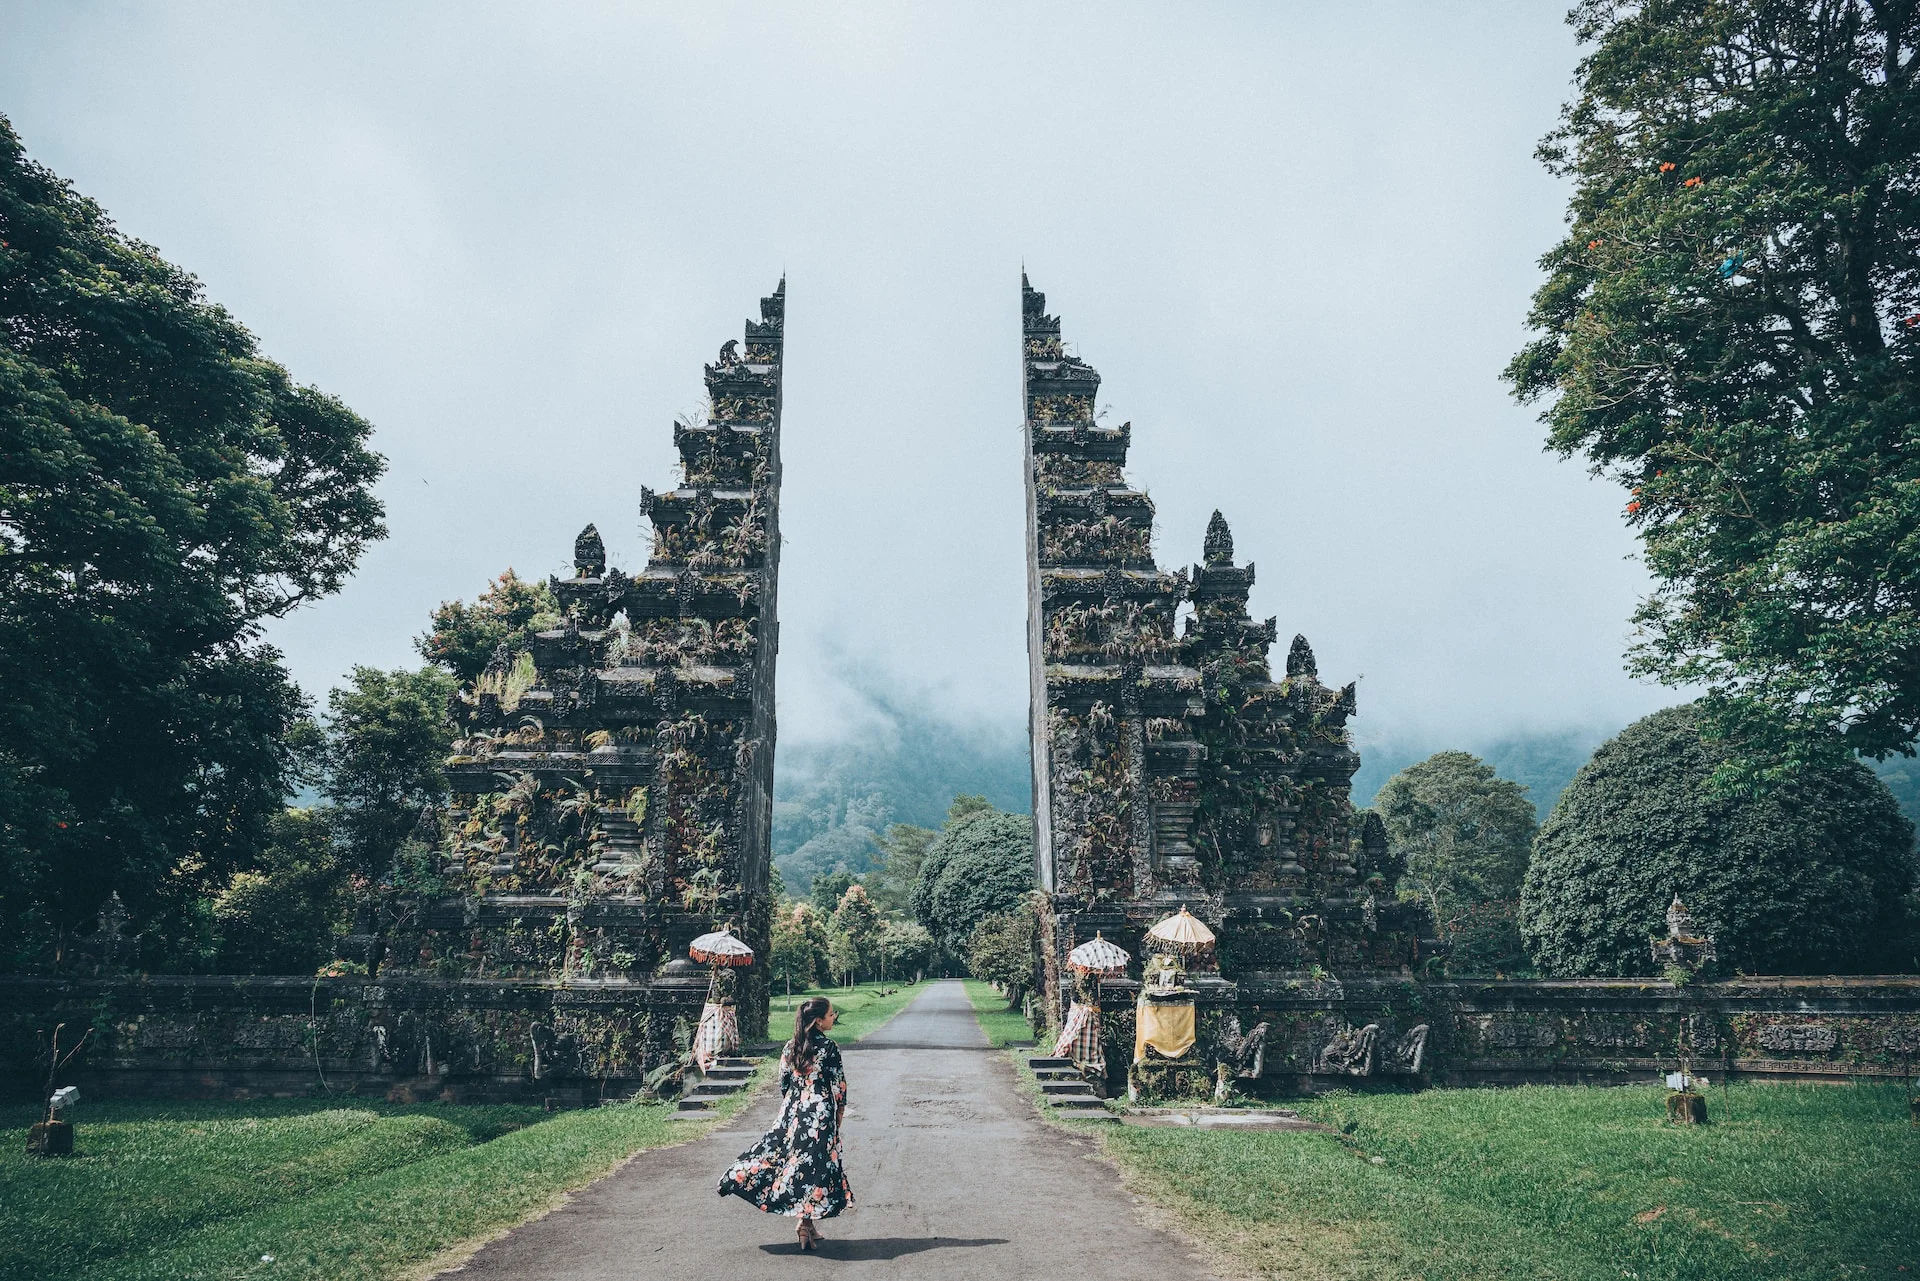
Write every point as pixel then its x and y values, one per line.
pixel 1080 1038
pixel 717 1036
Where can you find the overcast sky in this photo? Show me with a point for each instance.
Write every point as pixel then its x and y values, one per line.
pixel 1296 240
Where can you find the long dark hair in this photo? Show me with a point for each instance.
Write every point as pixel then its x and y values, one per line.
pixel 811 1011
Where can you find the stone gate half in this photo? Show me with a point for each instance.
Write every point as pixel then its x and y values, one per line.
pixel 1172 766
pixel 612 798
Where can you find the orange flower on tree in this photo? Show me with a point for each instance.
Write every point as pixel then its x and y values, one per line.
pixel 1667 167
pixel 1691 182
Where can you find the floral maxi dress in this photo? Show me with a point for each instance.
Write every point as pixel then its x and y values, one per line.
pixel 795 1167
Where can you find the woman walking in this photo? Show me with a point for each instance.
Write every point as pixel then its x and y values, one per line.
pixel 795 1167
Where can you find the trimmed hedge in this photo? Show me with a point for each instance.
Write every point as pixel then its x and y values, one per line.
pixel 1806 879
pixel 980 866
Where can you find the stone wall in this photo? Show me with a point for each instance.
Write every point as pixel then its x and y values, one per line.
pixel 1381 1032
pixel 416 1039
pixel 578 1042
pixel 1330 1033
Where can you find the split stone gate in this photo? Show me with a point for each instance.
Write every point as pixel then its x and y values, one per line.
pixel 613 792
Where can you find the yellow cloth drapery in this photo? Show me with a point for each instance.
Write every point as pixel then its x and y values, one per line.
pixel 1166 1026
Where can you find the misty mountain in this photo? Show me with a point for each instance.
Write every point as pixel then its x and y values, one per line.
pixel 832 799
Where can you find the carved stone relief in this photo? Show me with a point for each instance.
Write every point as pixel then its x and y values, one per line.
pixel 1798 1039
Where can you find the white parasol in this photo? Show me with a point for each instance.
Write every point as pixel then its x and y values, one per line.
pixel 721 948
pixel 1100 958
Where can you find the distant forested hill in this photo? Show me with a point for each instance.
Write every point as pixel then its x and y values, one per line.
pixel 830 800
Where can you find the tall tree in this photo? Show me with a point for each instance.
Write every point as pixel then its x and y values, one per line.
pixel 1463 831
pixel 465 638
pixel 902 850
pixel 281 917
pixel 828 890
pixel 982 864
pixel 387 741
pixel 858 922
pixel 1730 329
pixel 799 948
pixel 1000 950
pixel 164 491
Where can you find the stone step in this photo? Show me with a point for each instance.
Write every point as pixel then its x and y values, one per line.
pixel 737 1062
pixel 736 1076
pixel 1063 1087
pixel 1057 1074
pixel 1079 1102
pixel 713 1090
pixel 1039 1061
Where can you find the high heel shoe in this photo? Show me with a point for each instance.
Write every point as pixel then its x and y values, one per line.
pixel 808 1238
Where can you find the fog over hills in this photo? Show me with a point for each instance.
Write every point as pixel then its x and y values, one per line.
pixel 831 798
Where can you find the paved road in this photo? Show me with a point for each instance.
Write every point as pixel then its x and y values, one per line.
pixel 954 1176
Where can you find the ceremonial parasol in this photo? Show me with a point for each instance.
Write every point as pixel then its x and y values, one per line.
pixel 1080 1037
pixel 1182 933
pixel 721 948
pixel 719 1030
pixel 1099 958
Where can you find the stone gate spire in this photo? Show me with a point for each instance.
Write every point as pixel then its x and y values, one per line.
pixel 1174 769
pixel 615 800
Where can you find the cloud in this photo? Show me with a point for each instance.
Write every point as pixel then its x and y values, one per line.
pixel 1298 244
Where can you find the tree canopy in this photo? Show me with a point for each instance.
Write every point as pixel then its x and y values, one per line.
pixel 164 491
pixel 1463 832
pixel 1000 950
pixel 902 849
pixel 465 638
pixel 854 932
pixel 282 916
pixel 981 864
pixel 1807 877
pixel 387 741
pixel 1730 329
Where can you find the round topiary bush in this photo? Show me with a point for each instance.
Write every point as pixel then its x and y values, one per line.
pixel 1807 879
pixel 979 866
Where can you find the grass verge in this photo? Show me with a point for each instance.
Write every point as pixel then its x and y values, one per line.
pixel 331 1189
pixel 1003 1025
pixel 862 1007
pixel 1563 1182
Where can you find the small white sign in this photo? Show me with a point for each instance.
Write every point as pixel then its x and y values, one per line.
pixel 1676 1080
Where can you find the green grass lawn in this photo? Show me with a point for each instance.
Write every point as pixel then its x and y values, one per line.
pixel 1003 1026
pixel 333 1189
pixel 863 1007
pixel 1565 1183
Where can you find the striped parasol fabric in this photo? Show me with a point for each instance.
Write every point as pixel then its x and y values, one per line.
pixel 1099 957
pixel 721 948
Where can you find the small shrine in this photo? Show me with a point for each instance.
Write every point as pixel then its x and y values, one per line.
pixel 1684 947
